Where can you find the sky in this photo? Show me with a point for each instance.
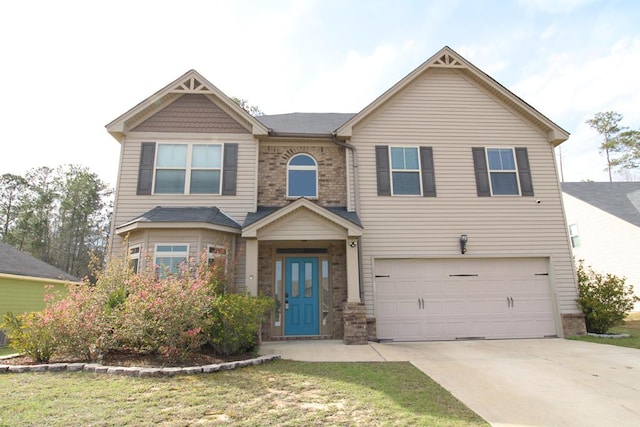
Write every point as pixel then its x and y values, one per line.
pixel 70 67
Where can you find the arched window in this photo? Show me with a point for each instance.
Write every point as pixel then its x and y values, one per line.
pixel 302 176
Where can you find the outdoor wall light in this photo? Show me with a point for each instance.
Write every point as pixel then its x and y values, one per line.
pixel 463 244
pixel 352 244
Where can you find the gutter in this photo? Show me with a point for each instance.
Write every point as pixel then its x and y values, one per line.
pixel 356 196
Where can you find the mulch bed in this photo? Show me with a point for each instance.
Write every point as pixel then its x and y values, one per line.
pixel 205 356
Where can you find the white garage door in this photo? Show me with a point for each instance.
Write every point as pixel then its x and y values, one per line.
pixel 447 299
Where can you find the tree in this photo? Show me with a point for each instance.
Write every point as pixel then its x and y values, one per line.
pixel 60 216
pixel 607 125
pixel 254 110
pixel 81 220
pixel 12 187
pixel 630 148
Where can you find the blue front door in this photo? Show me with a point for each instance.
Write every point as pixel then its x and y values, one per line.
pixel 301 297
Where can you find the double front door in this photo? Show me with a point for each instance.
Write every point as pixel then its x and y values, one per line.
pixel 301 312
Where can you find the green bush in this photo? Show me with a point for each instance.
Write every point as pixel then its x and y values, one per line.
pixel 32 334
pixel 605 299
pixel 234 322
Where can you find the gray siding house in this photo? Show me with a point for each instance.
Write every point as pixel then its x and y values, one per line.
pixel 435 213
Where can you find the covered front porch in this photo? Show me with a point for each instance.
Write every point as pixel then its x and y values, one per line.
pixel 307 258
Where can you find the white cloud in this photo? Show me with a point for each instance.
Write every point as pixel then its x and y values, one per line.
pixel 554 6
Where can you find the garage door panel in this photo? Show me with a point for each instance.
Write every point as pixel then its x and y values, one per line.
pixel 470 298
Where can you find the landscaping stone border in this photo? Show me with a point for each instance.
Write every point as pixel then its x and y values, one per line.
pixel 134 371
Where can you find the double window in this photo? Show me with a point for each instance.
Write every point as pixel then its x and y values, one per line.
pixel 405 171
pixel 187 168
pixel 302 176
pixel 502 171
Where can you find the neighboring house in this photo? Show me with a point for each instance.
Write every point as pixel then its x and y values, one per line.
pixel 24 279
pixel 353 222
pixel 604 227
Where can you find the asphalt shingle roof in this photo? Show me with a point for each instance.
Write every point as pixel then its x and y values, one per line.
pixel 305 123
pixel 13 261
pixel 621 199
pixel 208 214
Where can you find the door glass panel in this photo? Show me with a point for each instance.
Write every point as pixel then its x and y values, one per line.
pixel 308 279
pixel 325 292
pixel 295 279
pixel 276 291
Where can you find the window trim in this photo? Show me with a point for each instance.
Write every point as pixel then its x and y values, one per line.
pixel 188 168
pixel 418 170
pixel 302 168
pixel 514 171
pixel 172 254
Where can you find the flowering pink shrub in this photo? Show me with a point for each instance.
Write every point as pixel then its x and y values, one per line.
pixel 164 315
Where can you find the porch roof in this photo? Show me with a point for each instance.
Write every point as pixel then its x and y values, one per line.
pixel 181 217
pixel 266 215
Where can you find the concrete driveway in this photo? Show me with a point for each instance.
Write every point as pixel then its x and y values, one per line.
pixel 550 382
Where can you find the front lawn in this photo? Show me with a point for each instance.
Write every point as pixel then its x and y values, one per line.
pixel 4 351
pixel 279 393
pixel 631 327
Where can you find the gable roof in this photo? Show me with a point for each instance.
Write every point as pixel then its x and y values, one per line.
pixel 621 199
pixel 15 262
pixel 267 215
pixel 448 58
pixel 304 123
pixel 189 83
pixel 181 217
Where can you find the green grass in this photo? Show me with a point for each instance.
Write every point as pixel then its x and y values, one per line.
pixel 4 351
pixel 631 327
pixel 282 393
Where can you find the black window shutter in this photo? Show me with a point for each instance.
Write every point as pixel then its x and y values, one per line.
pixel 382 170
pixel 145 172
pixel 428 172
pixel 524 171
pixel 482 173
pixel 230 170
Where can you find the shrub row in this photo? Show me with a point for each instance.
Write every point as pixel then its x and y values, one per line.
pixel 169 314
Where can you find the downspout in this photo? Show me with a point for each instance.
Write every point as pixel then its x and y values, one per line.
pixel 356 196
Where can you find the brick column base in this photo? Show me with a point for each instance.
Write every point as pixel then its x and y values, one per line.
pixel 355 323
pixel 573 324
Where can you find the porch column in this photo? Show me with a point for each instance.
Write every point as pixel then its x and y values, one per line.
pixel 353 276
pixel 251 269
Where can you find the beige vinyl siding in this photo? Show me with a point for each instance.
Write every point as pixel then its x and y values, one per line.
pixel 130 205
pixel 303 225
pixel 445 110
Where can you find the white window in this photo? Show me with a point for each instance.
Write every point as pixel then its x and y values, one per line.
pixel 134 258
pixel 503 174
pixel 188 169
pixel 170 256
pixel 575 237
pixel 302 176
pixel 405 171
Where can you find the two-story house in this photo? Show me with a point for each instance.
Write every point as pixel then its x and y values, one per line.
pixel 434 213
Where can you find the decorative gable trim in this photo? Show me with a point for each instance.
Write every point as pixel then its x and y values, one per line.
pixel 190 82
